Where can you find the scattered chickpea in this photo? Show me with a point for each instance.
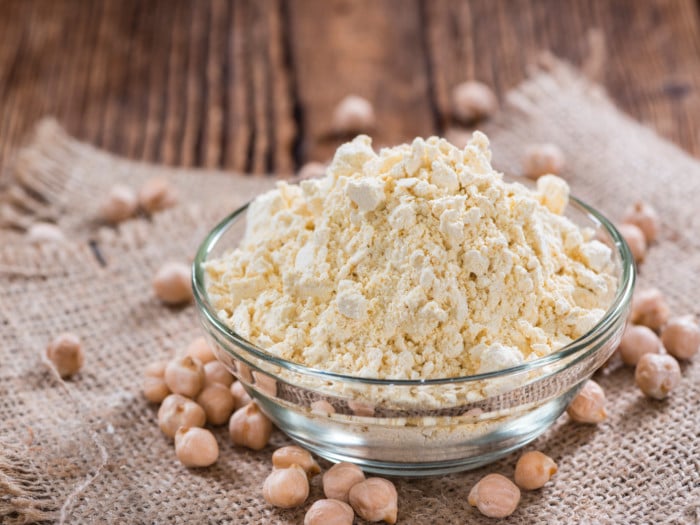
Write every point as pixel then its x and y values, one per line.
pixel 589 404
pixel 265 383
pixel 360 408
pixel 657 374
pixel 311 170
pixel 458 137
pixel 185 375
pixel 339 479
pixel 196 447
pixel 375 499
pixel 243 371
pixel 636 341
pixel 249 427
pixel 634 237
pixel 643 216
pixel 290 455
pixel 216 372
pixel 200 349
pixel 473 100
pixel 649 308
pixel 329 512
pixel 353 115
pixel 177 411
pixel 533 470
pixel 681 337
pixel 65 351
pixel 240 396
pixel 157 194
pixel 119 205
pixel 543 159
pixel 287 487
pixel 495 496
pixel 154 388
pixel 43 232
pixel 322 407
pixel 217 401
pixel 172 285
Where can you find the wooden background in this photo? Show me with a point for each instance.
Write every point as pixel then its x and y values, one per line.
pixel 250 85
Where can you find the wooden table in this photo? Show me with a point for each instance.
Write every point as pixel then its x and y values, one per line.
pixel 250 85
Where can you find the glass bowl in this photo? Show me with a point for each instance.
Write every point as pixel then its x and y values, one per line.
pixel 416 427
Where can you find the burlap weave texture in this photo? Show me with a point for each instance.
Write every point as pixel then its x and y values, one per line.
pixel 89 450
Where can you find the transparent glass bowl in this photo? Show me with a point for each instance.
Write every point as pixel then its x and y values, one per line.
pixel 414 427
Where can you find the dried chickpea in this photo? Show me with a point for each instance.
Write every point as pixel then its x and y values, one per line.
pixel 157 194
pixel 171 283
pixel 177 411
pixel 643 216
pixel 657 374
pixel 154 388
pixel 340 478
pixel 65 351
pixel 185 375
pixel 495 496
pixel 634 237
pixel 533 470
pixel 217 401
pixel 329 512
pixel 458 137
pixel 636 341
pixel 360 408
pixel 542 159
pixel 473 100
pixel 250 428
pixel 196 447
pixel 216 372
pixel 353 114
pixel 119 205
pixel 311 170
pixel 240 396
pixel 200 349
pixel 293 455
pixel 375 499
pixel 649 308
pixel 681 337
pixel 286 488
pixel 589 404
pixel 265 383
pixel 322 407
pixel 42 232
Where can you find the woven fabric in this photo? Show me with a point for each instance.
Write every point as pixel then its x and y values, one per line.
pixel 89 450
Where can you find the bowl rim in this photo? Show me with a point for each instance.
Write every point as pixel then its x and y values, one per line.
pixel 585 342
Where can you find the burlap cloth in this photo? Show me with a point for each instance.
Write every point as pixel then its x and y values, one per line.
pixel 89 450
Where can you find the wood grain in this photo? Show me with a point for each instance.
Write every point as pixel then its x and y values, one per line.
pixel 251 85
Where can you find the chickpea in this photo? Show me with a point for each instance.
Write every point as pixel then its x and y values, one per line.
pixel 649 308
pixel 322 407
pixel 533 470
pixel 473 100
pixel 65 352
pixel 265 383
pixel 200 349
pixel 339 479
pixel 154 388
pixel 495 496
pixel 217 401
pixel 589 405
pixel 458 137
pixel 43 232
pixel 185 375
pixel 287 487
pixel 249 427
pixel 353 115
pixel 643 216
pixel 657 374
pixel 216 372
pixel 157 194
pixel 177 411
pixel 634 237
pixel 681 337
pixel 311 170
pixel 172 285
pixel 243 371
pixel 119 205
pixel 240 396
pixel 360 408
pixel 196 447
pixel 375 499
pixel 543 159
pixel 636 341
pixel 329 512
pixel 293 455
